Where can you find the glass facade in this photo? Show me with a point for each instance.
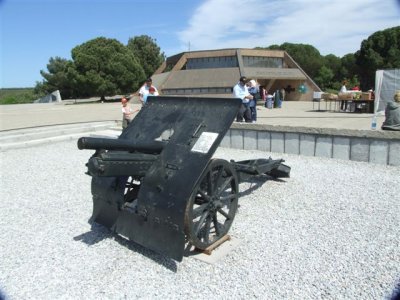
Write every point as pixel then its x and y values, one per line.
pixel 196 91
pixel 212 62
pixel 231 62
pixel 262 62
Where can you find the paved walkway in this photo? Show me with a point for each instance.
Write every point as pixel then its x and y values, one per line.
pixel 291 114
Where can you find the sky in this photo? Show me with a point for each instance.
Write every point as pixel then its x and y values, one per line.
pixel 31 32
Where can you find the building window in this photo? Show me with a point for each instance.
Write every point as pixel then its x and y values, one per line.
pixel 212 62
pixel 197 91
pixel 262 62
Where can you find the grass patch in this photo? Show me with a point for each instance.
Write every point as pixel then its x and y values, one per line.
pixel 17 96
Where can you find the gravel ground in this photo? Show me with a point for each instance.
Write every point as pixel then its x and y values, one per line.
pixel 331 231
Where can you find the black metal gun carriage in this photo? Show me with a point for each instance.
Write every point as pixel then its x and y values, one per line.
pixel 158 185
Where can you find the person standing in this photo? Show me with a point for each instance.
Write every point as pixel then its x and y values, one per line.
pixel 283 94
pixel 343 103
pixel 253 90
pixel 263 93
pixel 144 90
pixel 152 92
pixel 126 113
pixel 240 91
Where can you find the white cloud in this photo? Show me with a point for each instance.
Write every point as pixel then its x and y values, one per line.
pixel 335 26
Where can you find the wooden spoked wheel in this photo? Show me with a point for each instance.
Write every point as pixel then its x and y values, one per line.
pixel 212 205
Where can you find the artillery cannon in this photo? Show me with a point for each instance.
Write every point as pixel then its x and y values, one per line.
pixel 158 185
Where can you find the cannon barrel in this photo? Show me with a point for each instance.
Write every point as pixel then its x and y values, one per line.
pixel 119 144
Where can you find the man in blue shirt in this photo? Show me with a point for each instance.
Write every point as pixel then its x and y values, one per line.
pixel 240 91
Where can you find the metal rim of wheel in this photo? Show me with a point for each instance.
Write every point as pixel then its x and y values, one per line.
pixel 212 205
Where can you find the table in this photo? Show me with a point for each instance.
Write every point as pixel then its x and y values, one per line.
pixel 353 106
pixel 334 102
pixel 319 104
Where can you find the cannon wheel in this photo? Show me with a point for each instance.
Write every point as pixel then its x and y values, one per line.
pixel 212 205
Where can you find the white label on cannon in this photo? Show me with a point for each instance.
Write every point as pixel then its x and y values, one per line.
pixel 205 142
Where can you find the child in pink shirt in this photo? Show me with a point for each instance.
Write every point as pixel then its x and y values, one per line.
pixel 126 113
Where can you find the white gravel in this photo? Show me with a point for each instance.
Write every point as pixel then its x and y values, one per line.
pixel 331 231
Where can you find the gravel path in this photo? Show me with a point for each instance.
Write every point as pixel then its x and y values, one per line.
pixel 331 231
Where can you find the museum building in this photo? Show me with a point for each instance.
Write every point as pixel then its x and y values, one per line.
pixel 213 73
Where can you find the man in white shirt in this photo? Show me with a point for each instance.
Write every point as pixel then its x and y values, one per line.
pixel 240 91
pixel 144 90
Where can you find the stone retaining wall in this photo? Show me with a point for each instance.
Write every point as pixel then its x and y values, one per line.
pixel 380 147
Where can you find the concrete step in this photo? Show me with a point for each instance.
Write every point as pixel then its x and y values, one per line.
pixel 30 137
pixel 28 134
